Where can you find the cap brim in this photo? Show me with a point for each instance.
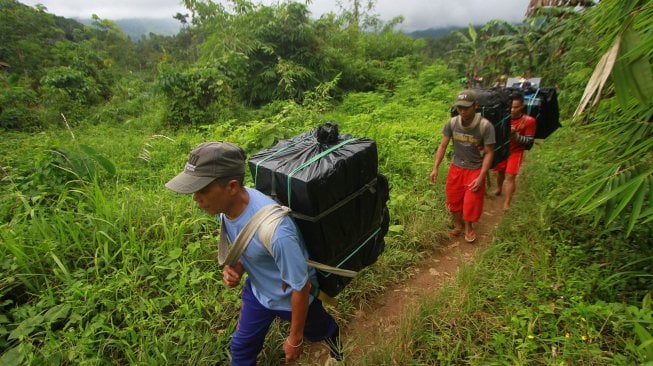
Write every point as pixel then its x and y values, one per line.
pixel 464 103
pixel 186 183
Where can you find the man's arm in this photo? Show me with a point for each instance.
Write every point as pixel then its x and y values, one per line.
pixel 299 302
pixel 439 155
pixel 485 167
pixel 527 133
pixel 487 158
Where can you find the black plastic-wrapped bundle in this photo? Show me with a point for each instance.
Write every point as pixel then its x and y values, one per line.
pixel 338 199
pixel 542 104
pixel 494 105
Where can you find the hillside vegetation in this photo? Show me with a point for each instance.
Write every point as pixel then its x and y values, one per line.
pixel 100 264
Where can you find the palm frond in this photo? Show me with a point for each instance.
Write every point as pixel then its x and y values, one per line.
pixel 633 75
pixel 599 77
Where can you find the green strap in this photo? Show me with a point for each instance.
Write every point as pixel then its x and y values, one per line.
pixel 503 121
pixel 354 251
pixel 369 186
pixel 532 101
pixel 312 160
pixel 275 154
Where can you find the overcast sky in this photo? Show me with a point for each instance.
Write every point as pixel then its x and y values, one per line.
pixel 418 14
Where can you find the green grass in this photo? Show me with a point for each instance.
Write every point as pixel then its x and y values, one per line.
pixel 101 264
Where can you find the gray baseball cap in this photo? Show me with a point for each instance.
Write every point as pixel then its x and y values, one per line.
pixel 208 161
pixel 466 98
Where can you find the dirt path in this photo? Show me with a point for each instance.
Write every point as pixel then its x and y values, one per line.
pixel 382 317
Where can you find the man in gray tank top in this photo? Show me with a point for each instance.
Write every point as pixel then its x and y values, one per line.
pixel 473 151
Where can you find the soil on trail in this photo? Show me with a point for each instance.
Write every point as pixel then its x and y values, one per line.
pixel 381 318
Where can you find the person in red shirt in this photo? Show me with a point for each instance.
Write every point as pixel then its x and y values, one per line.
pixel 522 133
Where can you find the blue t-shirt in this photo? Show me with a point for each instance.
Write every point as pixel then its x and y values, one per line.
pixel 286 264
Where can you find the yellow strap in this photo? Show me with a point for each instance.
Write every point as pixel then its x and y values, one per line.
pixel 327 299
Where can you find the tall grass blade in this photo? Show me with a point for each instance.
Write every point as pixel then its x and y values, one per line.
pixel 633 186
pixel 61 266
pixel 638 202
pixel 101 160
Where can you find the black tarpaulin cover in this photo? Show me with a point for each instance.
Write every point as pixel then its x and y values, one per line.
pixel 494 104
pixel 331 183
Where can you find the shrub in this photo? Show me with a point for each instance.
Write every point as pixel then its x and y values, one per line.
pixel 196 96
pixel 17 108
pixel 76 84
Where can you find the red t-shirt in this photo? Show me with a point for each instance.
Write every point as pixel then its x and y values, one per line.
pixel 525 126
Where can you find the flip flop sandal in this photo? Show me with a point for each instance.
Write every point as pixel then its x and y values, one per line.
pixel 471 237
pixel 455 232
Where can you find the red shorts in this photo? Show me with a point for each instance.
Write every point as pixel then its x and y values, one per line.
pixel 512 164
pixel 460 198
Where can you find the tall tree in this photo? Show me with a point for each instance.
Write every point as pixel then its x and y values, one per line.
pixel 525 45
pixel 359 13
pixel 469 53
pixel 26 38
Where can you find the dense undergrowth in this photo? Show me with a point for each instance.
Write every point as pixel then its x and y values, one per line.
pixel 99 264
pixel 105 264
pixel 553 288
pixel 102 264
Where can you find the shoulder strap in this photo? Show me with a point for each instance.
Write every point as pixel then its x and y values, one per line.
pixel 265 221
pixel 484 123
pixel 229 254
pixel 453 121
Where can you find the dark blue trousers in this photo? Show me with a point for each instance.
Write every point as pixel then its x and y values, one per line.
pixel 255 320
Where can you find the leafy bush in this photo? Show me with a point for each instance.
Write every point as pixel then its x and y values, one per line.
pixel 18 108
pixel 132 99
pixel 196 96
pixel 53 175
pixel 77 85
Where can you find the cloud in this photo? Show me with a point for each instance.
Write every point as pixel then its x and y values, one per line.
pixel 418 14
pixel 114 9
pixel 423 14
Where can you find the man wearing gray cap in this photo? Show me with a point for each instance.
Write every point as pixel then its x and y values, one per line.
pixel 473 151
pixel 279 281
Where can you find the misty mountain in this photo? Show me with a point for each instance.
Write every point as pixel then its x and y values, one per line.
pixel 134 28
pixel 435 32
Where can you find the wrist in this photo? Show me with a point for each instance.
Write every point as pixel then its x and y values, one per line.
pixel 295 343
pixel 239 268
